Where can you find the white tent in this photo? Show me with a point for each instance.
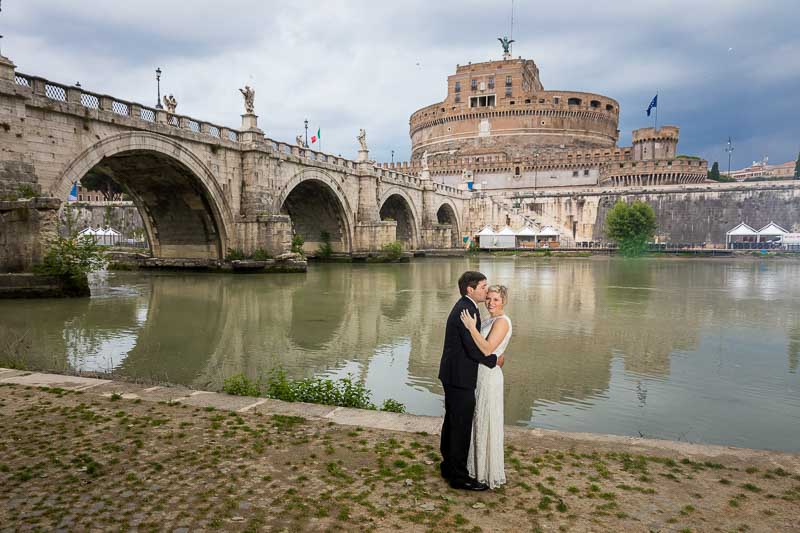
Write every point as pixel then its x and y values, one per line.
pixel 526 237
pixel 506 238
pixel 102 236
pixel 741 233
pixel 486 238
pixel 88 232
pixel 771 230
pixel 548 234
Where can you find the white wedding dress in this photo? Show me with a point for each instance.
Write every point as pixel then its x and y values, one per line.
pixel 485 461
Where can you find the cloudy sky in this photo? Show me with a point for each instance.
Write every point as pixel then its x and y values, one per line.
pixel 722 68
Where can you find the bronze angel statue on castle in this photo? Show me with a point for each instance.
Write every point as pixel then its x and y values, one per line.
pixel 505 42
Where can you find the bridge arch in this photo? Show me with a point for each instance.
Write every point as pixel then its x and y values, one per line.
pixel 185 211
pixel 447 213
pixel 316 203
pixel 395 203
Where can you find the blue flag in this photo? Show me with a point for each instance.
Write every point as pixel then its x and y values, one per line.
pixel 73 194
pixel 653 103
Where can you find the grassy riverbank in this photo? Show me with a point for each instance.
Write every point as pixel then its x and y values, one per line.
pixel 109 459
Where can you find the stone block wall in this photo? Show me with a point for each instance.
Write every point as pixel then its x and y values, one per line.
pixel 122 216
pixel 25 228
pixel 16 177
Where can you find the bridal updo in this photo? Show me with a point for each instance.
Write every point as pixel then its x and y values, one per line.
pixel 502 290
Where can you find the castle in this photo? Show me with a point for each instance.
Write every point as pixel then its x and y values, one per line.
pixel 498 129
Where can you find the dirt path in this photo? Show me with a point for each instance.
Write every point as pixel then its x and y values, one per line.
pixel 95 460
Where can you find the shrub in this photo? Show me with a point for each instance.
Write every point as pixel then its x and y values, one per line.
pixel 260 255
pixel 343 392
pixel 72 260
pixel 240 385
pixel 297 244
pixel 325 249
pixel 235 254
pixel 26 191
pixel 393 250
pixel 393 406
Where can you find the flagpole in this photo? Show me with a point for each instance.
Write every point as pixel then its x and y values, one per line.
pixel 655 125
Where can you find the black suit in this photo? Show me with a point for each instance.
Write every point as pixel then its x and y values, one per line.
pixel 458 372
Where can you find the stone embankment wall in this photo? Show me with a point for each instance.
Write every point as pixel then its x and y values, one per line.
pixel 684 214
pixel 25 228
pixel 122 216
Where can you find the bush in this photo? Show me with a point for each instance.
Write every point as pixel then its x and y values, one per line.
pixel 393 250
pixel 344 392
pixel 393 406
pixel 72 260
pixel 260 255
pixel 235 254
pixel 297 244
pixel 325 249
pixel 240 385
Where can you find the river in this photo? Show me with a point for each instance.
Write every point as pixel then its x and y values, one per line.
pixel 683 349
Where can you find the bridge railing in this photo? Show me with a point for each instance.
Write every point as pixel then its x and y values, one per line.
pixel 76 95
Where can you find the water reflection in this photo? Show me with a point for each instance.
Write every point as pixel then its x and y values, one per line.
pixel 668 348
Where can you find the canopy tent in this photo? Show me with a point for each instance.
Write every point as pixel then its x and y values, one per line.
pixel 526 237
pixel 771 230
pixel 548 235
pixel 102 236
pixel 506 238
pixel 486 237
pixel 740 234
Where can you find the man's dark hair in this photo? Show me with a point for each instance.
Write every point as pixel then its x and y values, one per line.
pixel 469 278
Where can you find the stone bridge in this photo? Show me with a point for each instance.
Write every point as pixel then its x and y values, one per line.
pixel 203 189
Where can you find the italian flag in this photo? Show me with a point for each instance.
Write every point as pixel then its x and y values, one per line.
pixel 318 136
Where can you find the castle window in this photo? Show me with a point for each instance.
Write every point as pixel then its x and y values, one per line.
pixel 541 100
pixel 595 104
pixel 482 101
pixel 574 101
pixel 609 107
pixel 556 100
pixel 508 91
pixel 574 173
pixel 528 101
pixel 458 98
pixel 491 83
pixel 473 85
pixel 516 171
pixel 458 86
pixel 508 81
pixel 586 172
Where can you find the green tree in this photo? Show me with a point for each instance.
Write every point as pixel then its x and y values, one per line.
pixel 797 166
pixel 632 226
pixel 72 259
pixel 713 174
pixel 99 179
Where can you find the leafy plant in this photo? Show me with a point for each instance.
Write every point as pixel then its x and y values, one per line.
pixel 393 406
pixel 325 249
pixel 393 250
pixel 72 259
pixel 235 254
pixel 240 385
pixel 260 255
pixel 27 190
pixel 297 244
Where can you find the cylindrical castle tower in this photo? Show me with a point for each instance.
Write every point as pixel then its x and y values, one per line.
pixel 500 108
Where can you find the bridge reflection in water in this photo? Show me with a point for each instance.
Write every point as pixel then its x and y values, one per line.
pixel 700 350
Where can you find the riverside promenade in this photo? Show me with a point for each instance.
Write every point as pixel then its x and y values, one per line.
pixel 85 454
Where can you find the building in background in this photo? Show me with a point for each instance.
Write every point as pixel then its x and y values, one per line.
pixel 762 170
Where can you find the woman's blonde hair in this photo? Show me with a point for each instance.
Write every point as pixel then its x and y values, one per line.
pixel 502 290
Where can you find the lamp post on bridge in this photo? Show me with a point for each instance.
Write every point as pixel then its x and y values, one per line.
pixel 392 156
pixel 158 84
pixel 305 122
pixel 729 150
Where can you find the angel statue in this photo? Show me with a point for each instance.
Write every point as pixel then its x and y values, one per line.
pixel 506 44
pixel 424 160
pixel 170 103
pixel 249 98
pixel 362 139
pixel 299 141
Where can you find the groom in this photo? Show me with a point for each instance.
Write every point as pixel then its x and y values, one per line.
pixel 458 372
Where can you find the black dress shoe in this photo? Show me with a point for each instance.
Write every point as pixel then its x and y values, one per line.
pixel 468 484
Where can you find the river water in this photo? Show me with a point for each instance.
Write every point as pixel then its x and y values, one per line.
pixel 694 350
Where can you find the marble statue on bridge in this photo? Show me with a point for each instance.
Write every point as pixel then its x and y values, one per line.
pixel 362 139
pixel 249 99
pixel 170 103
pixel 299 141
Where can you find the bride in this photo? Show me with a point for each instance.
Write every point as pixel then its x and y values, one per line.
pixel 485 461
